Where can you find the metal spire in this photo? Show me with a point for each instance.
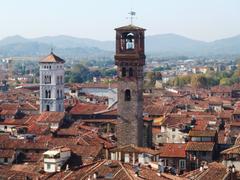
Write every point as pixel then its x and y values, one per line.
pixel 51 50
pixel 132 14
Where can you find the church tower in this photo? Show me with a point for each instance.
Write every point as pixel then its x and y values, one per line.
pixel 52 84
pixel 130 59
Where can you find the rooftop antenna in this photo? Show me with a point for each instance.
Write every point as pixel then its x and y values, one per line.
pixel 131 14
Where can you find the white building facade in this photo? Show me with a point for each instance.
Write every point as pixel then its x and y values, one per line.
pixel 52 84
pixel 54 159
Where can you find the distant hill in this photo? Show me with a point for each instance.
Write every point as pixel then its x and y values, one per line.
pixel 172 44
pixel 63 41
pixel 159 45
pixel 63 45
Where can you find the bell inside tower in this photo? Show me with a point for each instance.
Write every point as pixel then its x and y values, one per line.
pixel 130 41
pixel 127 41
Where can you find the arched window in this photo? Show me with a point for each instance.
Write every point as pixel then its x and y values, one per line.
pixel 130 41
pixel 58 94
pixel 47 108
pixel 58 81
pixel 47 79
pixel 127 95
pixel 124 72
pixel 130 72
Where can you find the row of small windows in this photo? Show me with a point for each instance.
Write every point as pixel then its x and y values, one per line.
pixel 59 107
pixel 47 67
pixel 48 93
pixel 50 67
pixel 47 79
pixel 124 72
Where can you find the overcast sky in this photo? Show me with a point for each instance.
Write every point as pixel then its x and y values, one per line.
pixel 199 19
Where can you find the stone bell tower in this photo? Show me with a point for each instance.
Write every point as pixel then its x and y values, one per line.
pixel 130 59
pixel 52 84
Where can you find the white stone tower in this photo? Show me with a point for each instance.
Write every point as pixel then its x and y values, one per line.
pixel 52 84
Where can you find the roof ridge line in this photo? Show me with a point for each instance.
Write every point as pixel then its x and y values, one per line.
pixel 128 174
pixel 91 169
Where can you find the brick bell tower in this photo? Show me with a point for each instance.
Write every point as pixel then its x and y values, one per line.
pixel 130 59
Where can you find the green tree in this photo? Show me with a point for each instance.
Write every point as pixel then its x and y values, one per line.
pixel 150 79
pixel 199 81
pixel 79 74
pixel 225 82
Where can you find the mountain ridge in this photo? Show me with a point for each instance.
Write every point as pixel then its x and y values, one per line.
pixel 168 44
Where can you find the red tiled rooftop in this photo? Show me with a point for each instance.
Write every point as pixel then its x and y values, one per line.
pixel 6 153
pixel 172 150
pixel 202 133
pixel 200 146
pixel 159 109
pixel 92 85
pixel 176 120
pixel 52 58
pixel 221 89
pixel 51 117
pixel 200 125
pixel 87 108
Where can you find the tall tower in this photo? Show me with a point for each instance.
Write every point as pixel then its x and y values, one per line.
pixel 130 59
pixel 52 83
pixel 10 69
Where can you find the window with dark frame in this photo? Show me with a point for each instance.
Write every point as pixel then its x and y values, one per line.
pixel 128 95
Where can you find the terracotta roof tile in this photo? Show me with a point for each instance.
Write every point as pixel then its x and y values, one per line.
pixel 87 108
pixel 232 150
pixel 129 27
pixel 173 150
pixel 200 146
pixel 52 58
pixel 202 133
pixel 51 117
pixel 213 172
pixel 6 153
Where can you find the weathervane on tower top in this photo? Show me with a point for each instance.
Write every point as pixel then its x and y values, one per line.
pixel 51 50
pixel 131 14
